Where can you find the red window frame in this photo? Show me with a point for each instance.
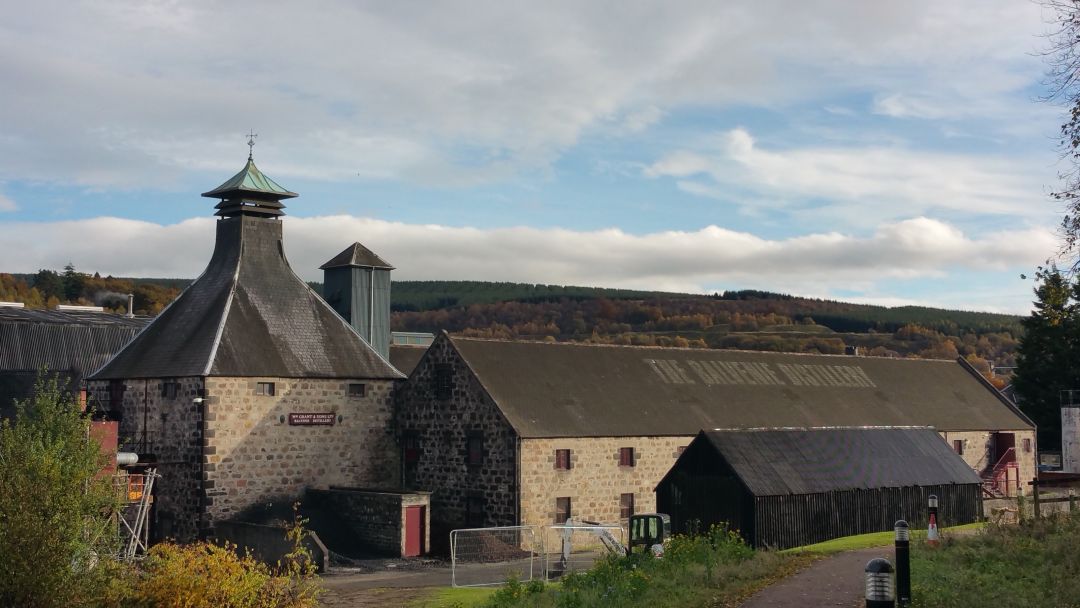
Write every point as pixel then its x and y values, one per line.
pixel 562 459
pixel 958 446
pixel 626 457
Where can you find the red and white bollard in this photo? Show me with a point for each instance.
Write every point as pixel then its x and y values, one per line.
pixel 932 537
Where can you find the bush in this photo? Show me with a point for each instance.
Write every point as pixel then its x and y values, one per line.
pixel 204 575
pixel 55 506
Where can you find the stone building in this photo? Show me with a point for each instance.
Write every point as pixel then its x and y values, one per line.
pixel 506 433
pixel 249 388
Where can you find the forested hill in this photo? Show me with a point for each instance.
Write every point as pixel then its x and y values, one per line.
pixel 746 319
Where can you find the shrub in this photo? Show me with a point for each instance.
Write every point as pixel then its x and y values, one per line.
pixel 55 507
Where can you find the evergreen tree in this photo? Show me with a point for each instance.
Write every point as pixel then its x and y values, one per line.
pixel 1048 356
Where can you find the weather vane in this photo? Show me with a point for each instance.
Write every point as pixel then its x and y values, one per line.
pixel 251 142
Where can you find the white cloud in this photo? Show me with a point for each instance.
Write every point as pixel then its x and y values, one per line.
pixel 108 93
pixel 697 261
pixel 6 204
pixel 884 181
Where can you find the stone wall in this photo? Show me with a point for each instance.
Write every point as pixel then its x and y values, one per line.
pixel 595 481
pixel 439 430
pixel 170 429
pixel 979 452
pixel 376 518
pixel 254 459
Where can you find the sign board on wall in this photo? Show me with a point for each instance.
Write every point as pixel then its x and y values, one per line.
pixel 312 419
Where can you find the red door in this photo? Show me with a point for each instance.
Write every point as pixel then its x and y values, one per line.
pixel 414 531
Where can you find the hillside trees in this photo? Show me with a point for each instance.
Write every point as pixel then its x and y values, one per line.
pixel 1048 357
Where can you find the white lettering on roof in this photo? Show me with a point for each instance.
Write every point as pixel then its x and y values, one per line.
pixel 710 373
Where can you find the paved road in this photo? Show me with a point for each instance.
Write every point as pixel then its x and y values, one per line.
pixel 834 581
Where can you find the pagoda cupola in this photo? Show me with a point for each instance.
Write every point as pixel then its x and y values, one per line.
pixel 249 192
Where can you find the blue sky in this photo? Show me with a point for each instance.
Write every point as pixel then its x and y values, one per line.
pixel 852 150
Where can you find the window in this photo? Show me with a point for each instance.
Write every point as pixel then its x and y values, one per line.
pixel 410 447
pixel 626 457
pixel 1027 446
pixel 169 389
pixel 475 456
pixel 357 390
pixel 474 511
pixel 682 448
pixel 562 509
pixel 444 381
pixel 626 505
pixel 116 393
pixel 958 446
pixel 264 388
pixel 562 460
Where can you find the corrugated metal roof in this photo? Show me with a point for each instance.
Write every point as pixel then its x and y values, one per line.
pixel 577 390
pixel 809 461
pixel 357 255
pixel 248 314
pixel 69 344
pixel 79 341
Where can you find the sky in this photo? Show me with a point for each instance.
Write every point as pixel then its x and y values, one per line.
pixel 889 153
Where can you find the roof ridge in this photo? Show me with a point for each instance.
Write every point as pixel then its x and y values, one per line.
pixel 691 349
pixel 225 312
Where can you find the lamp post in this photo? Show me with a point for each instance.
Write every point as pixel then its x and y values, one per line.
pixel 879 584
pixel 903 564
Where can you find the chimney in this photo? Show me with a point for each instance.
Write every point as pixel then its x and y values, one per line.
pixel 131 306
pixel 356 283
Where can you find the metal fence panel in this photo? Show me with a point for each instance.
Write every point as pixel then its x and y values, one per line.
pixel 482 557
pixel 575 548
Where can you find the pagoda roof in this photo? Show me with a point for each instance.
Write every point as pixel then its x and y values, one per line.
pixel 250 181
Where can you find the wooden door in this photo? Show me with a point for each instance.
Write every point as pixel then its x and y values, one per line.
pixel 414 531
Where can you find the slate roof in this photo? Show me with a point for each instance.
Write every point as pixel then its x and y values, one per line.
pixel 359 256
pixel 405 358
pixel 577 390
pixel 248 314
pixel 810 461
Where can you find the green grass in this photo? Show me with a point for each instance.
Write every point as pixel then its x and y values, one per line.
pixel 874 539
pixel 460 597
pixel 716 570
pixel 1005 566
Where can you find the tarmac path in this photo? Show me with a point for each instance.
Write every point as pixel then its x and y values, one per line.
pixel 836 580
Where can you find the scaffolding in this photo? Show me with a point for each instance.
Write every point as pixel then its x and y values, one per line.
pixel 137 492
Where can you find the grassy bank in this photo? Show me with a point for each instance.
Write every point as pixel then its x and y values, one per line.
pixel 717 569
pixel 1032 564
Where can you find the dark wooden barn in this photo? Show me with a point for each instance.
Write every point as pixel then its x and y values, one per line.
pixel 791 487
